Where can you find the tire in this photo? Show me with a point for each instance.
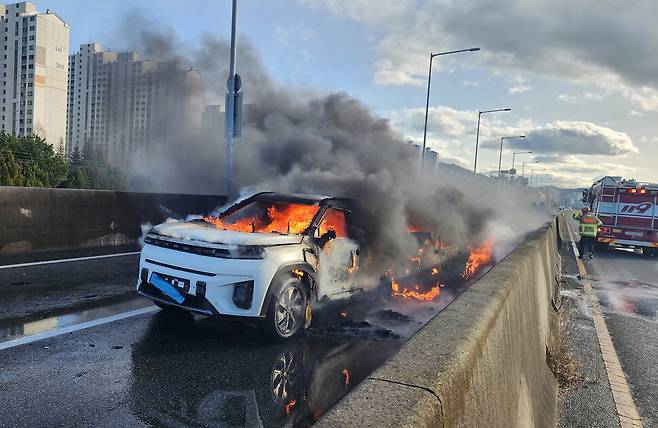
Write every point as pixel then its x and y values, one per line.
pixel 647 252
pixel 289 312
pixel 601 246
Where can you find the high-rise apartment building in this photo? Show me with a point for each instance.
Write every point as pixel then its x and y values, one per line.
pixel 34 72
pixel 212 124
pixel 126 107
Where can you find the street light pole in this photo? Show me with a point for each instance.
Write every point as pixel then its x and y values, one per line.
pixel 523 169
pixel 500 157
pixel 477 134
pixel 427 103
pixel 230 107
pixel 514 156
pixel 533 173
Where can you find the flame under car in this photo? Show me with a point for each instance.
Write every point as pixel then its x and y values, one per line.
pixel 267 257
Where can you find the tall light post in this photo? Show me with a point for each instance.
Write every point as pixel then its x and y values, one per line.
pixel 232 126
pixel 532 173
pixel 427 103
pixel 477 134
pixel 517 153
pixel 523 168
pixel 500 157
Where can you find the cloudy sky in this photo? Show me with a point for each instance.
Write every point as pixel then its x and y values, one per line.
pixel 581 77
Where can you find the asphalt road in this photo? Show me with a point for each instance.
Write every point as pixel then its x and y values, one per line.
pixel 626 285
pixel 158 369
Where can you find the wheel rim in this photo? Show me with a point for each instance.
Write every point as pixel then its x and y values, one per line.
pixel 283 375
pixel 289 310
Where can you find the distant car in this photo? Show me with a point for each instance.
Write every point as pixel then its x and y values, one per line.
pixel 264 258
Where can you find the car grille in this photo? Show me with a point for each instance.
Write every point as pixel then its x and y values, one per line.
pixel 194 249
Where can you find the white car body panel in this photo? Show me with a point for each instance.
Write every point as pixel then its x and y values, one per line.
pixel 171 256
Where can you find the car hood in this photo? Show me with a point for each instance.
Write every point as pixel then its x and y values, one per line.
pixel 204 232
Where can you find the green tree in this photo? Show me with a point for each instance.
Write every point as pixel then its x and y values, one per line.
pixel 10 171
pixel 31 161
pixel 77 179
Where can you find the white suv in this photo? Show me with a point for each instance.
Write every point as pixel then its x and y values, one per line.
pixel 267 257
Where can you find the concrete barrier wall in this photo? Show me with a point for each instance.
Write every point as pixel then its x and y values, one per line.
pixel 38 218
pixel 480 362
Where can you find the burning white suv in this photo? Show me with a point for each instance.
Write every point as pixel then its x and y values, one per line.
pixel 267 257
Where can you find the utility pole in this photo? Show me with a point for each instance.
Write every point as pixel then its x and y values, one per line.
pixel 233 104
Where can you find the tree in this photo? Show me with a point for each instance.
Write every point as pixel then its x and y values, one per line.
pixel 31 161
pixel 10 171
pixel 75 158
pixel 77 179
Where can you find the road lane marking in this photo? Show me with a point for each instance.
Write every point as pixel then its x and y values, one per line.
pixel 621 392
pixel 77 259
pixel 76 327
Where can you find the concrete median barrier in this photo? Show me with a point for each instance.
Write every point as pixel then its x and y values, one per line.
pixel 480 362
pixel 38 218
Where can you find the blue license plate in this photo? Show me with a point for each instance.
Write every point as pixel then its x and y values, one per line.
pixel 168 289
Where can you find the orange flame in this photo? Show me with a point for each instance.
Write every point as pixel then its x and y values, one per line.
pixel 346 376
pixel 428 296
pixel 343 314
pixel 435 271
pixel 288 407
pixel 291 218
pixel 478 257
pixel 298 273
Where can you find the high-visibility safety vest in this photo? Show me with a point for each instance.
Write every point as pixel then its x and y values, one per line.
pixel 589 224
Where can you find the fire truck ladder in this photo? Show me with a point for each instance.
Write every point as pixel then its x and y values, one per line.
pixel 614 199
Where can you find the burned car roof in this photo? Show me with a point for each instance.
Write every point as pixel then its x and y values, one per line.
pixel 297 198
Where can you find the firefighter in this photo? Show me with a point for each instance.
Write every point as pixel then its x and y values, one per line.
pixel 588 230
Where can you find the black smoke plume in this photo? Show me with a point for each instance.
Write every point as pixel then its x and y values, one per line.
pixel 327 144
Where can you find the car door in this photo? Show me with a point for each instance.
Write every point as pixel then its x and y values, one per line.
pixel 339 257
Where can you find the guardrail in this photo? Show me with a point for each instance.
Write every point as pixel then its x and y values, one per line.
pixel 480 362
pixel 41 218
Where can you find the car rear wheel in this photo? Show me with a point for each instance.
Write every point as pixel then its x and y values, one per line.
pixel 289 310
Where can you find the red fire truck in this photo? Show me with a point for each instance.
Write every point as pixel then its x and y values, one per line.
pixel 628 211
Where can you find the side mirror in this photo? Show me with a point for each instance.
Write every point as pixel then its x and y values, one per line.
pixel 326 237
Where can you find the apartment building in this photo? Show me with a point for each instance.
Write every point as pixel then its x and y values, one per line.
pixel 212 123
pixel 34 72
pixel 126 107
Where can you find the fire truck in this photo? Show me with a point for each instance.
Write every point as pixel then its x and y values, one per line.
pixel 628 211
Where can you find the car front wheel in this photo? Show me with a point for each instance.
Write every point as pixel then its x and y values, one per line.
pixel 288 313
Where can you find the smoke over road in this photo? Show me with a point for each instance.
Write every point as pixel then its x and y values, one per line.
pixel 328 144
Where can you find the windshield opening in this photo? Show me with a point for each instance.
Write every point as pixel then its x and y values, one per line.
pixel 267 217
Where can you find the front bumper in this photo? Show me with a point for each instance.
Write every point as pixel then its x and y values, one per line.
pixel 207 284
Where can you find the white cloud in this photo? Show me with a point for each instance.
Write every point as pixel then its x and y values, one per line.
pixel 519 89
pixel 470 83
pixel 567 149
pixel 364 10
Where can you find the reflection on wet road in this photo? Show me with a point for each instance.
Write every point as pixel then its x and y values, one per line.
pixel 17 328
pixel 209 374
pixel 626 283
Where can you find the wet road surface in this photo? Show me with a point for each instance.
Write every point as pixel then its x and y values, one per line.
pixel 162 369
pixel 626 285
